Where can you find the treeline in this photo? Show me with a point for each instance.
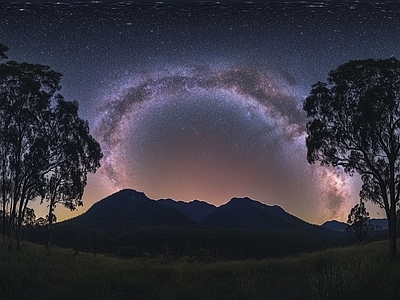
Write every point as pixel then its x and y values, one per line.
pixel 173 243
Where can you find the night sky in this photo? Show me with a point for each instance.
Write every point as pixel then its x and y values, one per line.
pixel 203 100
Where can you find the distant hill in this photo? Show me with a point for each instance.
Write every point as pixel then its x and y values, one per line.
pixel 195 210
pixel 335 225
pixel 127 210
pixel 379 224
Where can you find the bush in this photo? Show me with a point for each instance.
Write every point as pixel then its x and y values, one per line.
pixel 201 254
pixel 126 252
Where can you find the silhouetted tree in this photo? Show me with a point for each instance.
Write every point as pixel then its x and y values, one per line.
pixel 398 222
pixel 46 149
pixel 73 153
pixel 3 50
pixel 3 153
pixel 359 222
pixel 29 217
pixel 40 222
pixel 25 92
pixel 355 124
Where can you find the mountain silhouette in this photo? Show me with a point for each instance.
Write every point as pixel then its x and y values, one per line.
pixel 245 213
pixel 129 224
pixel 127 210
pixel 378 224
pixel 195 210
pixel 335 225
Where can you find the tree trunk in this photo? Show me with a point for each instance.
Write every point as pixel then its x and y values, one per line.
pixel 4 217
pixel 48 244
pixel 18 240
pixel 4 200
pixel 4 223
pixel 11 223
pixel 392 217
pixel 21 217
pixel 18 232
pixel 392 222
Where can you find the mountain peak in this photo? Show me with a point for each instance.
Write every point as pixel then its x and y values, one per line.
pixel 128 209
pixel 335 225
pixel 241 199
pixel 130 193
pixel 196 210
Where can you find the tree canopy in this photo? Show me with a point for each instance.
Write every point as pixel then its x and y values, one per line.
pixel 359 222
pixel 3 50
pixel 355 124
pixel 46 150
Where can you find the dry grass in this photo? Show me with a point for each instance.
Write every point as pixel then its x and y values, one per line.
pixel 360 272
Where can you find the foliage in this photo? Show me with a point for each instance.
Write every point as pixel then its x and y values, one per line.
pixel 41 222
pixel 29 217
pixel 73 153
pixel 25 93
pixel 358 222
pixel 3 50
pixel 355 125
pixel 46 150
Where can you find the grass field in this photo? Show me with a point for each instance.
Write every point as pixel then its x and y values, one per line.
pixel 359 272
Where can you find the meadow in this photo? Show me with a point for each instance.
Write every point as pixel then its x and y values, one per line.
pixel 356 272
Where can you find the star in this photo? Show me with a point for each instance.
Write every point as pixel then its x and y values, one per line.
pixel 203 100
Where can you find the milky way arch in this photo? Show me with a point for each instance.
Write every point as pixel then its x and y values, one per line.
pixel 265 92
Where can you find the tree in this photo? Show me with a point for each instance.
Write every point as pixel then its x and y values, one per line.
pixel 355 124
pixel 29 217
pixel 40 222
pixel 3 146
pixel 73 153
pixel 3 50
pixel 46 149
pixel 26 91
pixel 358 222
pixel 398 223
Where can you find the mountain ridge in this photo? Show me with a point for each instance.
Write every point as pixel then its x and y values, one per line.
pixel 128 210
pixel 129 224
pixel 378 224
pixel 197 210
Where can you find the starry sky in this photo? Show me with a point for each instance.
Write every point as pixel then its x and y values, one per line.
pixel 203 100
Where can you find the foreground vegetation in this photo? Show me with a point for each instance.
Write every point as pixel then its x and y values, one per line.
pixel 360 272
